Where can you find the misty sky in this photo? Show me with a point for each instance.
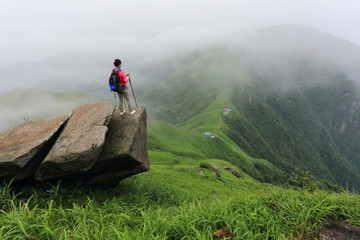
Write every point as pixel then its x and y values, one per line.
pixel 92 33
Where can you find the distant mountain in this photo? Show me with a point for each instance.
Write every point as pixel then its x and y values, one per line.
pixel 32 104
pixel 293 93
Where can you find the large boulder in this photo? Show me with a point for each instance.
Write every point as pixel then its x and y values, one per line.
pixel 124 152
pixel 25 147
pixel 95 145
pixel 80 143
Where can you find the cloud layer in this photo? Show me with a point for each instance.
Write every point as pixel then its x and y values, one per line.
pixel 65 44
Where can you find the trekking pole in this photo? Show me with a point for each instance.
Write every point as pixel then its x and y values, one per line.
pixel 132 90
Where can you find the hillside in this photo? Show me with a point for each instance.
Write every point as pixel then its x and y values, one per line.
pixel 308 127
pixel 179 198
pixel 302 128
pixel 172 146
pixel 32 104
pixel 298 110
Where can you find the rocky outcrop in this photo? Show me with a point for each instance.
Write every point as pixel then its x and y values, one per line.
pixel 25 147
pixel 233 171
pixel 96 145
pixel 80 144
pixel 216 170
pixel 125 151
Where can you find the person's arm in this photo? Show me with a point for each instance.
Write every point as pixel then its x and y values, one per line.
pixel 123 77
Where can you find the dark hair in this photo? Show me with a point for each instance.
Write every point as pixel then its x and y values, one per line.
pixel 117 62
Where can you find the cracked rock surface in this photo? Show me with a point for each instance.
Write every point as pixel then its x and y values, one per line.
pixel 25 147
pixel 80 143
pixel 125 151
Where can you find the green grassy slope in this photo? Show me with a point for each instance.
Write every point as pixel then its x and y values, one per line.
pixel 195 83
pixel 292 122
pixel 301 128
pixel 172 201
pixel 191 145
pixel 180 197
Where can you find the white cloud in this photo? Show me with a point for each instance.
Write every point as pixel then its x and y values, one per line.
pixel 66 38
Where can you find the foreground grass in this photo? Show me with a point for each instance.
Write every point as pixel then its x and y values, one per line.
pixel 174 201
pixel 183 207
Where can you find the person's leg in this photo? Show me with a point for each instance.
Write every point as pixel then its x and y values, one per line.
pixel 121 103
pixel 125 93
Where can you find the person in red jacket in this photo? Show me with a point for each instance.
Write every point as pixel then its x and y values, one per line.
pixel 125 92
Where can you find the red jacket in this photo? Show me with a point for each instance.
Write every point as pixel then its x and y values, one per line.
pixel 122 76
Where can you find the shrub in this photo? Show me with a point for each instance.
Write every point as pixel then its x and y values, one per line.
pixel 304 180
pixel 204 165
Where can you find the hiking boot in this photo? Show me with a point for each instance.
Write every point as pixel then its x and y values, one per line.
pixel 132 112
pixel 122 112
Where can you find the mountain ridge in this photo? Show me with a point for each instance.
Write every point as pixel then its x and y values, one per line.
pixel 290 115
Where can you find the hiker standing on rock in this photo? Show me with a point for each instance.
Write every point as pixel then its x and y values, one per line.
pixel 123 92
